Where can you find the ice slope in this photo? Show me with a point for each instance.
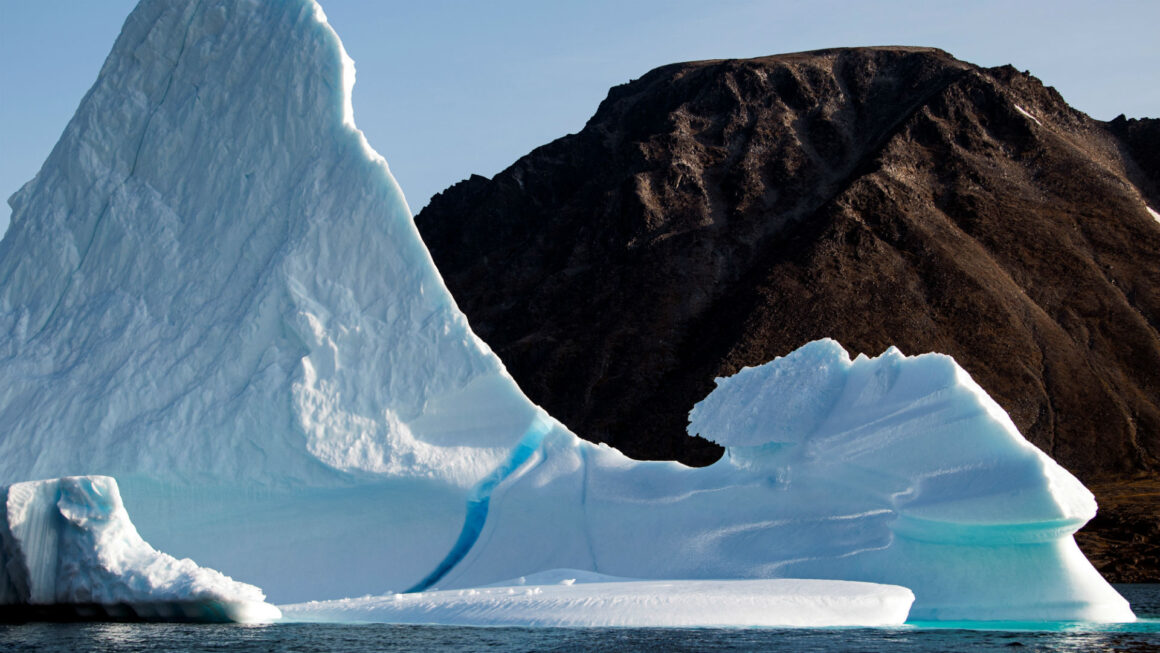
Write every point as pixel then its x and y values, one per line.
pixel 69 543
pixel 212 249
pixel 557 598
pixel 214 292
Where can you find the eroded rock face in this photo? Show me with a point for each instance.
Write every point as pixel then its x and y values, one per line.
pixel 714 215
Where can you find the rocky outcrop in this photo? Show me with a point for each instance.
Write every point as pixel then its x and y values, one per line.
pixel 718 214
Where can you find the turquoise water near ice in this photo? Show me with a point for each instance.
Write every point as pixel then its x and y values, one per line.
pixel 1143 635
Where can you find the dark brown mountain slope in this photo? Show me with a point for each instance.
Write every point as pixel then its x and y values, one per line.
pixel 718 214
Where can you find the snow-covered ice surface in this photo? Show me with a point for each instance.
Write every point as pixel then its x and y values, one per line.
pixel 69 542
pixel 213 291
pixel 594 602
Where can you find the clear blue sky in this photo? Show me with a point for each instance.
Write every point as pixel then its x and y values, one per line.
pixel 449 88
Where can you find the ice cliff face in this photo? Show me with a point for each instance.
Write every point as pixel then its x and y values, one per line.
pixel 213 276
pixel 213 291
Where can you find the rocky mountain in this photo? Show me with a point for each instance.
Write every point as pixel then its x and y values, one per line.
pixel 717 214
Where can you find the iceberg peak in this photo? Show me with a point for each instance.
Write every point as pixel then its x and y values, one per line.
pixel 216 242
pixel 214 291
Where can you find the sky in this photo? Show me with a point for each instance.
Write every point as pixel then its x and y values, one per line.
pixel 448 88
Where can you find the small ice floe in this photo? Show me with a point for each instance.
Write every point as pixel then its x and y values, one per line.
pixel 68 551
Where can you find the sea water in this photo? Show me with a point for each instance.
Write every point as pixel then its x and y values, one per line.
pixel 1143 635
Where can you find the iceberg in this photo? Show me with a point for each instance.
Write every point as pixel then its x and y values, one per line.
pixel 68 549
pixel 213 291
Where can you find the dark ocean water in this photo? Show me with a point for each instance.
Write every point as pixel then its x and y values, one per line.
pixel 310 638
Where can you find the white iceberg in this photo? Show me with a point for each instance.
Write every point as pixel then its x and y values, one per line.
pixel 556 598
pixel 213 291
pixel 67 548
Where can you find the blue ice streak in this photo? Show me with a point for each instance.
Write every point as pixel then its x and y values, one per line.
pixel 479 501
